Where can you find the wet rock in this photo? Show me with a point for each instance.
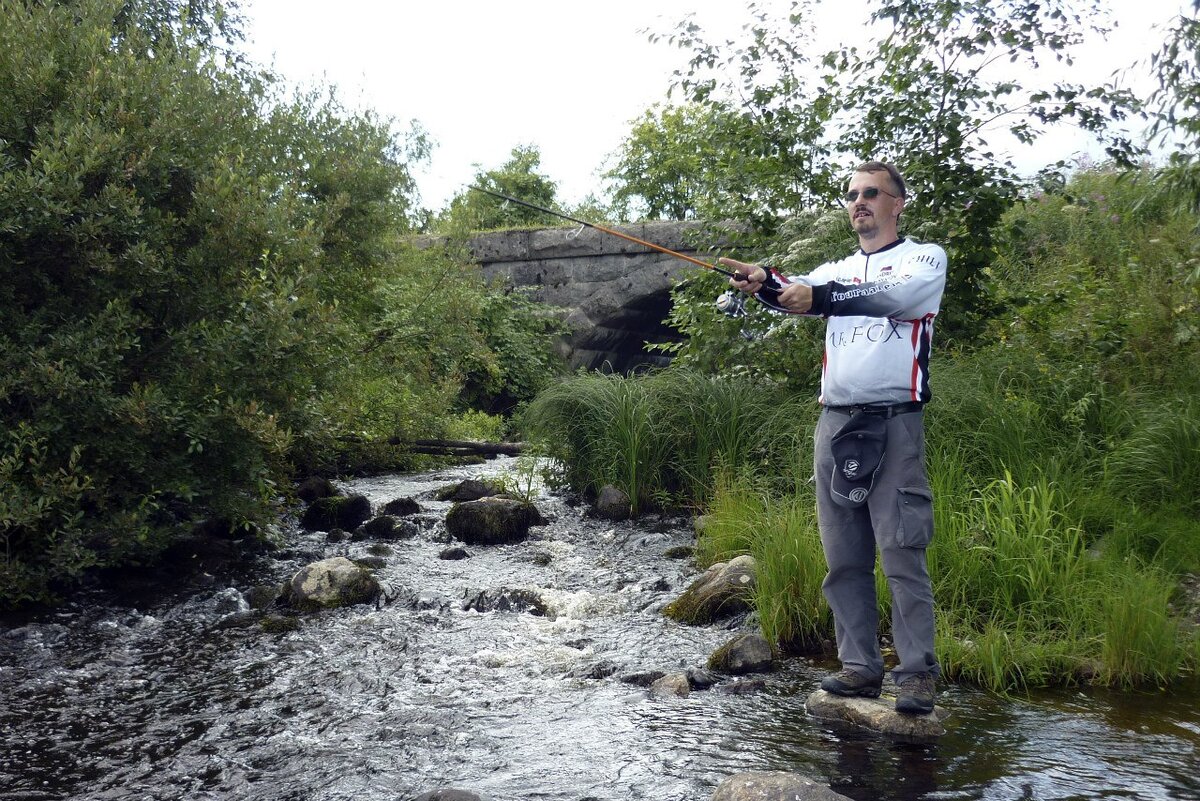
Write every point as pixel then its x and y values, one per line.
pixel 745 653
pixel 337 535
pixel 492 521
pixel 348 512
pixel 469 490
pixel 455 553
pixel 613 504
pixel 773 786
pixel 314 488
pixel 671 685
pixel 507 599
pixel 401 507
pixel 600 670
pixel 332 583
pixel 878 714
pixel 228 601
pixel 680 552
pixel 371 562
pixel 643 678
pixel 701 679
pixel 428 600
pixel 386 527
pixel 541 558
pixel 239 620
pixel 744 686
pixel 279 624
pixel 264 596
pixel 451 794
pixel 724 590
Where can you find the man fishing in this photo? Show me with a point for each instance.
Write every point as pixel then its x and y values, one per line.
pixel 872 488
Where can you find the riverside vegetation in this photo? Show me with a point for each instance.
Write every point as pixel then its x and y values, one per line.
pixel 205 290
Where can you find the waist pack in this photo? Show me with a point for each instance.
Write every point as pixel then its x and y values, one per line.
pixel 858 449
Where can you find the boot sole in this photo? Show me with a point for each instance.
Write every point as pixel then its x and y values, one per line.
pixel 913 708
pixel 866 692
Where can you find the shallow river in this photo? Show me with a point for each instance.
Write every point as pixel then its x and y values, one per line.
pixel 112 699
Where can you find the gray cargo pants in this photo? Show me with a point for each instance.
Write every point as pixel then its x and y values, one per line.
pixel 898 520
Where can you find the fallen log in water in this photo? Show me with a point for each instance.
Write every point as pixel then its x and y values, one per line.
pixel 456 447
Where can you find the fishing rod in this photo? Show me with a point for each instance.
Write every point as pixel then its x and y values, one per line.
pixel 610 231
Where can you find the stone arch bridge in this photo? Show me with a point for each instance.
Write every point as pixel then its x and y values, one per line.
pixel 615 294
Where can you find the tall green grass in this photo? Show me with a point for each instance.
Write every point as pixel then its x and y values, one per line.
pixel 663 438
pixel 1045 572
pixel 782 537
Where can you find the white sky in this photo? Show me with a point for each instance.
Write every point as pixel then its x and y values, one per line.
pixel 482 76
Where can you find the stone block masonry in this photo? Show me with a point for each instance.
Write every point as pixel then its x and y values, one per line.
pixel 614 294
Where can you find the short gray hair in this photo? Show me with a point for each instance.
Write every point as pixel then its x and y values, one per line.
pixel 890 169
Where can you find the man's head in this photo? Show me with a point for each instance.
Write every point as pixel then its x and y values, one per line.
pixel 874 200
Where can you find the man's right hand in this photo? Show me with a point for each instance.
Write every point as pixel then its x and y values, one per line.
pixel 752 276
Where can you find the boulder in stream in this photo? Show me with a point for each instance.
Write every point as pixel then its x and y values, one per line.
pixel 315 487
pixel 773 786
pixel 386 527
pixel 745 653
pixel 347 512
pixel 878 714
pixel 672 685
pixel 724 590
pixel 492 521
pixel 507 599
pixel 401 507
pixel 613 504
pixel 332 583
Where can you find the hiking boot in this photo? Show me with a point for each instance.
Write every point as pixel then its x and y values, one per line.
pixel 851 684
pixel 915 694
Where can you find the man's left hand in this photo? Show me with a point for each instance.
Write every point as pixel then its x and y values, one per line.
pixel 796 297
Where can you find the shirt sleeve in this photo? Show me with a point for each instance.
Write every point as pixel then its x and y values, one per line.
pixel 913 291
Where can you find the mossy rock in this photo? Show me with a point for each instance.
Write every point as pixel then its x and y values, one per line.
pixel 279 624
pixel 347 512
pixel 469 490
pixel 332 583
pixel 724 590
pixel 492 521
pixel 745 653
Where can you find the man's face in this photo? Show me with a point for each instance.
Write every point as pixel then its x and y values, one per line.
pixel 870 216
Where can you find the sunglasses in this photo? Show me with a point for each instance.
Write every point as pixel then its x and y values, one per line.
pixel 870 193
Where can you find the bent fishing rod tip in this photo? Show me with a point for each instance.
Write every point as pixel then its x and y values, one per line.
pixel 735 275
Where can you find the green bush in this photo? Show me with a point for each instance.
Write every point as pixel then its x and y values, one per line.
pixel 202 286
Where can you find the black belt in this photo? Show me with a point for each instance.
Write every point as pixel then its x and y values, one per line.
pixel 882 409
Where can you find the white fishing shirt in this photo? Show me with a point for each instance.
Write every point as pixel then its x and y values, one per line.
pixel 879 309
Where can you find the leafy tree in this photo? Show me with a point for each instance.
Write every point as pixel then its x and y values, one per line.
pixel 747 142
pixel 1177 106
pixel 676 164
pixel 929 93
pixel 181 257
pixel 518 177
pixel 926 95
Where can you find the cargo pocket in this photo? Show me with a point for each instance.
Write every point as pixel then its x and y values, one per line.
pixel 915 512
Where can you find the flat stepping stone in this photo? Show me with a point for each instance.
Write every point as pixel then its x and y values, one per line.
pixel 878 714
